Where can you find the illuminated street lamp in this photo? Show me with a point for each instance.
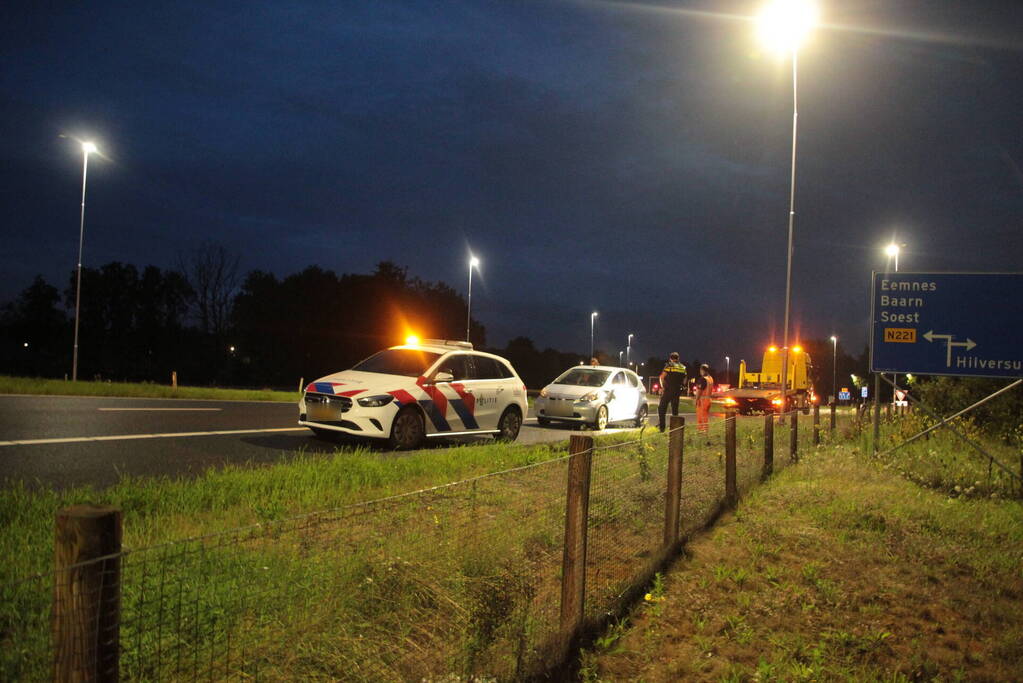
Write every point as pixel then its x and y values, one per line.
pixel 620 358
pixel 628 348
pixel 593 318
pixel 473 263
pixel 728 370
pixel 834 368
pixel 783 25
pixel 87 149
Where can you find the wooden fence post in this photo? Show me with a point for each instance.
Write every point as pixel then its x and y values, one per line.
pixel 174 379
pixel 816 424
pixel 833 409
pixel 577 503
pixel 87 594
pixel 794 436
pixel 731 490
pixel 673 495
pixel 301 384
pixel 768 446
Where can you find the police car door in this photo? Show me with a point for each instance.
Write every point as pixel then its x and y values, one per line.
pixel 490 387
pixel 450 407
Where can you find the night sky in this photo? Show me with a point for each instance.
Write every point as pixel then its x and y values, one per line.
pixel 621 157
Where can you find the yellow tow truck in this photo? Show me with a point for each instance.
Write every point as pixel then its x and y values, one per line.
pixel 760 392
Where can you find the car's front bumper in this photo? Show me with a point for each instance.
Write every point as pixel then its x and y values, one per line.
pixel 566 409
pixel 341 414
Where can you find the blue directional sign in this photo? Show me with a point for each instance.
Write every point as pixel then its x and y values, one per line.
pixel 968 324
pixel 843 396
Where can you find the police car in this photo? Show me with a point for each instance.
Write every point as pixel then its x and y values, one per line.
pixel 408 393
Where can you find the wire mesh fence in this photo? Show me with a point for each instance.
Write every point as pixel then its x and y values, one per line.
pixel 466 579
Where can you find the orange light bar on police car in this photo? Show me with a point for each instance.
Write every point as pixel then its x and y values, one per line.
pixel 412 339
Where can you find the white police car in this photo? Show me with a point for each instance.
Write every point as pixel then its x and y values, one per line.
pixel 418 390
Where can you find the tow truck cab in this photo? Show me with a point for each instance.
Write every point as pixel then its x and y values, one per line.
pixel 760 392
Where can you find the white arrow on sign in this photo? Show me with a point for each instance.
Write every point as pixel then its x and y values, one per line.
pixel 968 344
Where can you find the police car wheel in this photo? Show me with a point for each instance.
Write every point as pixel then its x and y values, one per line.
pixel 408 429
pixel 642 415
pixel 601 422
pixel 509 425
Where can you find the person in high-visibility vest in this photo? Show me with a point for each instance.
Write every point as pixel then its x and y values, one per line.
pixel 673 378
pixel 704 388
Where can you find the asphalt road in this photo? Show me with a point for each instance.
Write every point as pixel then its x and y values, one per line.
pixel 62 441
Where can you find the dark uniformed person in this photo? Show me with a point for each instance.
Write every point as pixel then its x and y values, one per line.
pixel 673 378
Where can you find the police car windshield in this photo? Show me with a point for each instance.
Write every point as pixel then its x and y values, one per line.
pixel 407 362
pixel 584 377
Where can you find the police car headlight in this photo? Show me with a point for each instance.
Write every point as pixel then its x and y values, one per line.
pixel 375 401
pixel 592 396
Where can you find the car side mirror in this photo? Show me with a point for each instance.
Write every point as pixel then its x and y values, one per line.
pixel 443 377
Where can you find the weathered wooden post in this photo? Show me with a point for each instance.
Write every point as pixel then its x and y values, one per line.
pixel 301 384
pixel 768 446
pixel 816 424
pixel 577 503
pixel 673 495
pixel 731 490
pixel 174 379
pixel 87 594
pixel 794 436
pixel 833 410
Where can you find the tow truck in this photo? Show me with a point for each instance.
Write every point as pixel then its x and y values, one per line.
pixel 760 392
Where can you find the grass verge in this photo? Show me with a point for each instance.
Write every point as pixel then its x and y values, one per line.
pixel 56 387
pixel 836 570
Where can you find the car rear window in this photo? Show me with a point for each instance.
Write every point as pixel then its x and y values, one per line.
pixel 584 377
pixel 407 362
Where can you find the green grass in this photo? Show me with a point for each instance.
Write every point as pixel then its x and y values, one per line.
pixel 455 579
pixel 56 387
pixel 838 569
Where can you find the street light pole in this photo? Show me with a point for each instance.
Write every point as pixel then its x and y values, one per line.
pixel 783 25
pixel 593 317
pixel 473 263
pixel 834 369
pixel 628 349
pixel 619 359
pixel 87 148
pixel 728 370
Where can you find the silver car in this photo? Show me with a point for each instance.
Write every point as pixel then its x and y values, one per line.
pixel 593 395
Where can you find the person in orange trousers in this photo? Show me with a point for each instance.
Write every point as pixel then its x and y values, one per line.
pixel 704 388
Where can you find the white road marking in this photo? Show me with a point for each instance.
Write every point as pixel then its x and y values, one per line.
pixel 126 437
pixel 121 410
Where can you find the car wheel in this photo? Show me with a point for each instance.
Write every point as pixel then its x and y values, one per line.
pixel 601 422
pixel 509 425
pixel 408 429
pixel 542 421
pixel 641 416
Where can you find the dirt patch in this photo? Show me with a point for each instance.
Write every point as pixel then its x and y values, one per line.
pixel 835 570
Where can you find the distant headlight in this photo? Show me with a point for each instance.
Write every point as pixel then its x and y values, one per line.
pixel 592 396
pixel 375 401
pixel 543 393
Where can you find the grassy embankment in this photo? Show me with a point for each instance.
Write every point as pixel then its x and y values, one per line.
pixel 57 387
pixel 840 570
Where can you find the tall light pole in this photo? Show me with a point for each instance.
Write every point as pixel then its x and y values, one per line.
pixel 628 348
pixel 783 24
pixel 593 318
pixel 473 263
pixel 834 370
pixel 619 359
pixel 728 370
pixel 892 252
pixel 87 149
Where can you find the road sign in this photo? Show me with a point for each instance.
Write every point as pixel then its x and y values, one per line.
pixel 844 396
pixel 968 324
pixel 864 392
